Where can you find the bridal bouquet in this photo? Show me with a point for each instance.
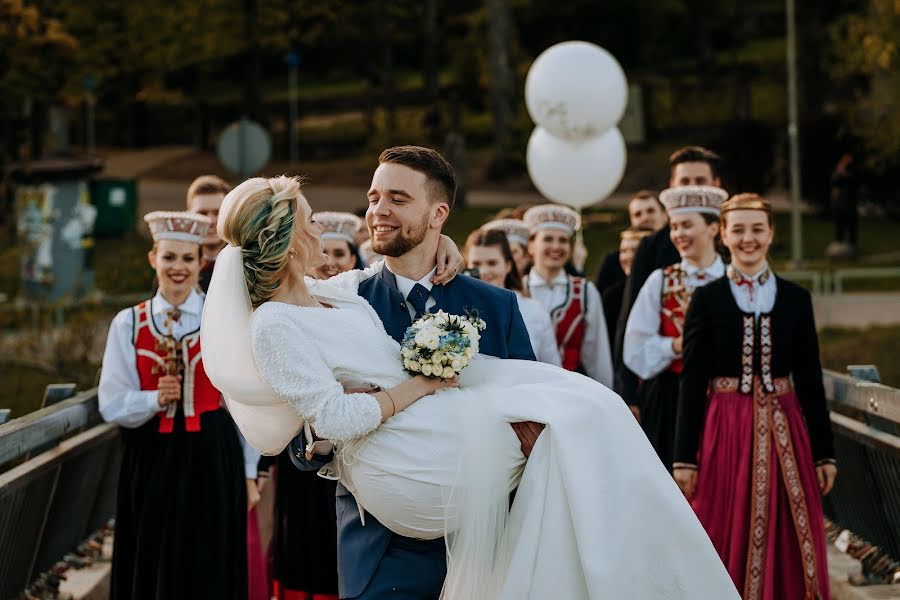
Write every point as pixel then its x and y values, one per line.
pixel 440 344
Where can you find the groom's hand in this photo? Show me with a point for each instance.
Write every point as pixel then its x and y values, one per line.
pixel 527 432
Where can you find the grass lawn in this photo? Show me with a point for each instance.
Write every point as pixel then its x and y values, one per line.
pixel 840 346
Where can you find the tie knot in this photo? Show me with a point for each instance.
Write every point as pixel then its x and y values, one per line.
pixel 418 298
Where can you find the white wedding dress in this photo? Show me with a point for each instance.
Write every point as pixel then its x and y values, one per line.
pixel 596 515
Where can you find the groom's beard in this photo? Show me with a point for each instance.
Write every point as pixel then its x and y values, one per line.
pixel 402 243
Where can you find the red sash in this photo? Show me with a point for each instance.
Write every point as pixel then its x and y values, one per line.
pixel 570 326
pixel 198 394
pixel 674 304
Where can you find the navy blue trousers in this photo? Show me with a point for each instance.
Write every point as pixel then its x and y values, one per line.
pixel 409 570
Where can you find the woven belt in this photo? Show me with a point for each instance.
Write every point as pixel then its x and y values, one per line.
pixel 733 385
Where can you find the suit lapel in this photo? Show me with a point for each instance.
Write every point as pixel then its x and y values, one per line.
pixel 390 305
pixel 441 296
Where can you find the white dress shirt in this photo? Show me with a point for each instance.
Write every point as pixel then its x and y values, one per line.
pixel 120 397
pixel 646 352
pixel 405 286
pixel 758 298
pixel 596 354
pixel 540 330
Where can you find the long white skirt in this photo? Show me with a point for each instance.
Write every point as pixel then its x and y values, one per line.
pixel 596 515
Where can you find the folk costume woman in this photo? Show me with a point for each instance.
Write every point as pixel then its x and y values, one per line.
pixel 517 235
pixel 181 514
pixel 754 447
pixel 653 335
pixel 488 251
pixel 574 302
pixel 339 241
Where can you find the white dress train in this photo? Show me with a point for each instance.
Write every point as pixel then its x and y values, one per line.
pixel 595 515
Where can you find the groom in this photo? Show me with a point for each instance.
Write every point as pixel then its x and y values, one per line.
pixel 411 196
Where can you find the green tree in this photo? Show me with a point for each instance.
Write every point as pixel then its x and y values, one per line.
pixel 36 57
pixel 866 60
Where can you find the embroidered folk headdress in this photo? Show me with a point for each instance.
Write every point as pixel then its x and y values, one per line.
pixel 552 216
pixel 634 234
pixel 515 230
pixel 338 225
pixel 746 202
pixel 693 198
pixel 180 226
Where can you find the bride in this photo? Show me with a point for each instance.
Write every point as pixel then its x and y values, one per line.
pixel 596 515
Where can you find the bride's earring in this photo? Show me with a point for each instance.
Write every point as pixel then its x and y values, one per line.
pixel 292 252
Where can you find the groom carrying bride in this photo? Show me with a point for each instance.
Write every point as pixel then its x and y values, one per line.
pixel 596 514
pixel 410 199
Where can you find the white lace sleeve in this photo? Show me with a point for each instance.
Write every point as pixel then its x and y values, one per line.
pixel 350 280
pixel 287 359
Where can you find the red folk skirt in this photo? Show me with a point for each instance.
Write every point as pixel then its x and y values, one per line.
pixel 757 493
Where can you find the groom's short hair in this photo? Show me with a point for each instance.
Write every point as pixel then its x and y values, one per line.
pixel 440 175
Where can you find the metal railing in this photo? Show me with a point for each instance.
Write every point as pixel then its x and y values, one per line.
pixel 865 419
pixel 819 280
pixel 827 282
pixel 863 273
pixel 51 501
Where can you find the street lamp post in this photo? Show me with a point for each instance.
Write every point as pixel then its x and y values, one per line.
pixel 793 138
pixel 293 62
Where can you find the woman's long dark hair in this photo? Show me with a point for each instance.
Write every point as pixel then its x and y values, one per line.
pixel 721 248
pixel 496 238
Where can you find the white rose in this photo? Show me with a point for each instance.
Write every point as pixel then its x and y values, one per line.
pixel 433 342
pixel 449 372
pixel 456 364
pixel 426 369
pixel 426 339
pixel 414 366
pixel 438 358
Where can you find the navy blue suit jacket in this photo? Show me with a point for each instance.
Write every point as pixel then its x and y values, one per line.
pixel 360 548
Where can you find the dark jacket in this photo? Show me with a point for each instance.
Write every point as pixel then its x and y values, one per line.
pixel 713 347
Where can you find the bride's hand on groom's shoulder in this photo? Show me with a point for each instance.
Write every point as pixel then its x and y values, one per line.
pixel 449 261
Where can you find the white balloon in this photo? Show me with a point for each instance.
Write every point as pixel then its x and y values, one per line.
pixel 576 90
pixel 576 173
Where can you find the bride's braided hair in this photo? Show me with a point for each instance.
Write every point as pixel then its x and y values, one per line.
pixel 260 217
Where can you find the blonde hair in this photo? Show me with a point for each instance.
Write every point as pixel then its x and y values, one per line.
pixel 261 216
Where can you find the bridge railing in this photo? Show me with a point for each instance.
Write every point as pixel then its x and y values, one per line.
pixel 58 472
pixel 65 460
pixel 865 419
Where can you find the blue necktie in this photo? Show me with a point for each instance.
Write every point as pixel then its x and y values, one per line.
pixel 418 298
